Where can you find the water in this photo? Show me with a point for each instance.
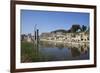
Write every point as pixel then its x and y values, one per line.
pixel 47 51
pixel 59 51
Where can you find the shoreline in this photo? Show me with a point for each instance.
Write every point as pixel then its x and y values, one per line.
pixel 56 41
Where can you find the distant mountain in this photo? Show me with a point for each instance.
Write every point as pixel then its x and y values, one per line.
pixel 59 30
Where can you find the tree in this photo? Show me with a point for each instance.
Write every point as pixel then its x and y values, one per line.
pixel 75 28
pixel 88 29
pixel 83 28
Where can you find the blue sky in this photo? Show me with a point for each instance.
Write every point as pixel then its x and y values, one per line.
pixel 48 21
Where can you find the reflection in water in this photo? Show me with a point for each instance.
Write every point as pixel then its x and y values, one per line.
pixel 66 51
pixel 47 51
pixel 75 52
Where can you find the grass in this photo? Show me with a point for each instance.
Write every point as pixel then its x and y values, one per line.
pixel 29 53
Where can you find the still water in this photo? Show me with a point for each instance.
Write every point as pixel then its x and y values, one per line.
pixel 59 51
pixel 47 51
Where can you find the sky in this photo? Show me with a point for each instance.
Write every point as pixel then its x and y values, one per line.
pixel 48 21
